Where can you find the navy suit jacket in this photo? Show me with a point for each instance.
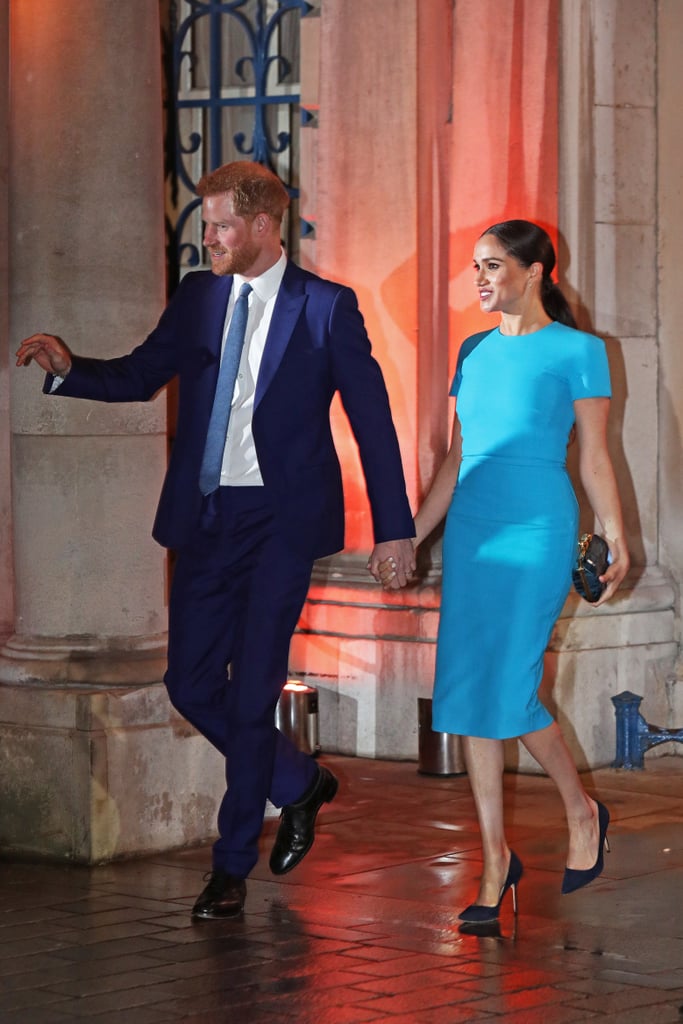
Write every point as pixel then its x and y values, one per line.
pixel 317 344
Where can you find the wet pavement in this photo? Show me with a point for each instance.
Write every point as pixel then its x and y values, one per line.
pixel 365 929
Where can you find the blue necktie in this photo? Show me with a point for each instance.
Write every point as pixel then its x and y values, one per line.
pixel 210 472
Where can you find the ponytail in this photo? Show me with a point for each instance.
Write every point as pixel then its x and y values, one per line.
pixel 554 302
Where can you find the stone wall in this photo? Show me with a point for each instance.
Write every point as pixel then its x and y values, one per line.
pixel 410 156
pixel 6 566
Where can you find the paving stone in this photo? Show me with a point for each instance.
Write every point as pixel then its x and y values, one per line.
pixel 366 929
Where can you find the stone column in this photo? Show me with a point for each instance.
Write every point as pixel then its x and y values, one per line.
pixel 6 569
pixel 374 181
pixel 608 268
pixel 670 308
pixel 85 747
pixel 87 259
pixel 504 135
pixel 670 248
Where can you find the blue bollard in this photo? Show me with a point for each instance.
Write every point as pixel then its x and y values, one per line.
pixel 634 734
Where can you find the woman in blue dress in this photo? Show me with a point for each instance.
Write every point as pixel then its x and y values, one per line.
pixel 510 539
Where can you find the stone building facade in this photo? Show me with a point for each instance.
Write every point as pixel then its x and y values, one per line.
pixel 562 111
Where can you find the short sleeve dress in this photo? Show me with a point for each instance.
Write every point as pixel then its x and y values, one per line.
pixel 511 529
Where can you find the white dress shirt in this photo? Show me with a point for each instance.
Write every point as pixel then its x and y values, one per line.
pixel 240 463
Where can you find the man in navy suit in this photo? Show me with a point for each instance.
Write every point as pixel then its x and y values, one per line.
pixel 245 549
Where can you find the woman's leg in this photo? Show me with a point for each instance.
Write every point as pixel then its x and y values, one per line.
pixel 547 746
pixel 484 761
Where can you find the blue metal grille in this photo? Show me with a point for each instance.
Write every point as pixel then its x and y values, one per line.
pixel 233 93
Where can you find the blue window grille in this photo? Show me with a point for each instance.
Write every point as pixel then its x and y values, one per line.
pixel 232 93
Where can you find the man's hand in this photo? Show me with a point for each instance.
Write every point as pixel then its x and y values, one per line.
pixel 48 351
pixel 392 563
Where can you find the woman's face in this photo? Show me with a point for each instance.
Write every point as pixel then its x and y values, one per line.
pixel 501 281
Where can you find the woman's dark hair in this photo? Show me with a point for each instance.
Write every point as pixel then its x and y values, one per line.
pixel 528 243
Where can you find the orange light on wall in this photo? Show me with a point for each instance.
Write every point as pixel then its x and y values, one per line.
pixel 405 183
pixel 505 135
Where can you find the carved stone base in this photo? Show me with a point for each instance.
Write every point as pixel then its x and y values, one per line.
pixel 87 660
pixel 90 774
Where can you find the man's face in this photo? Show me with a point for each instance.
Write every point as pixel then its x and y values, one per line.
pixel 232 241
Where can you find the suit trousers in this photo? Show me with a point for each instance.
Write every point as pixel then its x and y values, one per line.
pixel 237 593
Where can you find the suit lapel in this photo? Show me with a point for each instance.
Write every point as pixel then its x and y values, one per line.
pixel 210 326
pixel 212 329
pixel 288 305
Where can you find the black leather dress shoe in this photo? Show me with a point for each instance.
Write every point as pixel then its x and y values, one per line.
pixel 223 896
pixel 297 823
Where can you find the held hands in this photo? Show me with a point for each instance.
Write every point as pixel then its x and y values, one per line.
pixel 49 352
pixel 615 571
pixel 392 563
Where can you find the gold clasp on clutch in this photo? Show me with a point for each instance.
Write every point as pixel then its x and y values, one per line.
pixel 584 541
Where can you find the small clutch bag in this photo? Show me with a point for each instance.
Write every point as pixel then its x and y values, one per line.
pixel 592 561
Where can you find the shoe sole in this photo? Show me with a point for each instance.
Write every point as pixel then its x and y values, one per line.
pixel 199 916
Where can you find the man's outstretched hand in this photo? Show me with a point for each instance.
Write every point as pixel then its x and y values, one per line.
pixel 48 351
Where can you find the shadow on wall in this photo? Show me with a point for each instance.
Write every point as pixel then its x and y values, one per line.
pixel 517 759
pixel 338 722
pixel 671 447
pixel 627 491
pixel 617 366
pixel 550 684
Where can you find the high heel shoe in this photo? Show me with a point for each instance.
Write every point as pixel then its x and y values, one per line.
pixel 575 879
pixel 478 913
